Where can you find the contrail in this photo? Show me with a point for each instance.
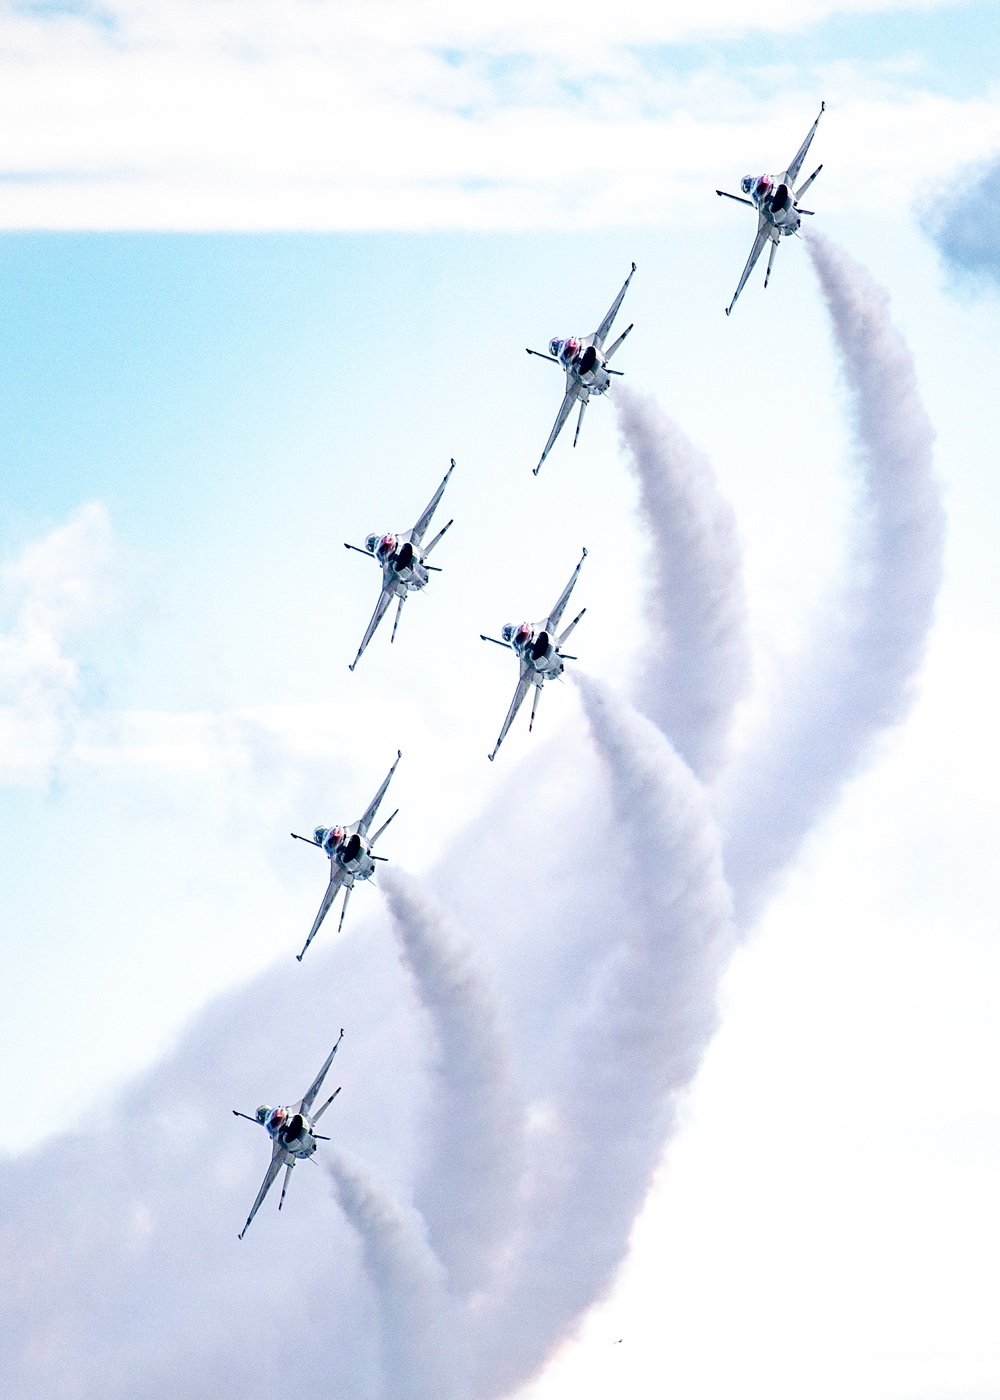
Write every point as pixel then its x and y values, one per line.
pixel 697 664
pixel 638 1049
pixel 418 1351
pixel 858 679
pixel 474 1153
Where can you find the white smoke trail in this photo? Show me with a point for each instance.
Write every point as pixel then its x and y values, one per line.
pixel 859 677
pixel 416 1336
pixel 474 1154
pixel 697 664
pixel 638 1050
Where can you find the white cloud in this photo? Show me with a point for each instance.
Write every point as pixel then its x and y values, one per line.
pixel 324 116
pixel 49 593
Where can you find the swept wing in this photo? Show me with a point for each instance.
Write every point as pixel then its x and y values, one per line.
pixel 552 621
pixel 569 399
pixel 279 1157
pixel 306 1102
pixel 338 878
pixel 523 686
pixel 385 598
pixel 763 234
pixel 420 529
pixel 792 173
pixel 601 334
pixel 373 805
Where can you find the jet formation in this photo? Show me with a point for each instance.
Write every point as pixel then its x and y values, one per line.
pixel 538 646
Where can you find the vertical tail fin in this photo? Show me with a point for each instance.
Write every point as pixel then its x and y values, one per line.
pixel 343 911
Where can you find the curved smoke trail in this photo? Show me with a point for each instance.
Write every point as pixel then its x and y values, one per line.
pixel 416 1339
pixel 474 1159
pixel 858 679
pixel 697 666
pixel 638 1050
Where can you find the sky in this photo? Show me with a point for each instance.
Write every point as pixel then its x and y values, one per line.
pixel 264 271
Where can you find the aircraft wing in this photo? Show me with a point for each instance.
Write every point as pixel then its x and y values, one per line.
pixel 337 878
pixel 763 234
pixel 418 531
pixel 552 621
pixel 601 334
pixel 373 805
pixel 523 686
pixel 385 598
pixel 278 1159
pixel 569 399
pixel 792 173
pixel 306 1103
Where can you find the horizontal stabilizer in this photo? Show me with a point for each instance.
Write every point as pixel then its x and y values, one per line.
pixel 801 191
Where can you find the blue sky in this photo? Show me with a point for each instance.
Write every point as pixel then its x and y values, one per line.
pixel 231 406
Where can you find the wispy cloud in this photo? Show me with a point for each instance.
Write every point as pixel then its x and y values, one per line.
pixel 48 595
pixel 321 115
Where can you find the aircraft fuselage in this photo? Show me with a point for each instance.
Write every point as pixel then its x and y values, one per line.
pixel 292 1131
pixel 348 850
pixel 403 567
pixel 538 649
pixel 775 200
pixel 583 362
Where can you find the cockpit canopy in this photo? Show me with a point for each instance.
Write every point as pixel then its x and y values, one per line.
pixel 333 838
pixel 518 636
pixel 319 835
pixel 371 542
pixel 262 1112
pixel 747 183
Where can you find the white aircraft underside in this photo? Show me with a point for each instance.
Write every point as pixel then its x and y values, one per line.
pixel 403 559
pixel 292 1132
pixel 586 364
pixel 539 652
pixel 778 210
pixel 350 852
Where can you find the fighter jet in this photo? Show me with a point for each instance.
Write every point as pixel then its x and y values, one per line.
pixel 539 652
pixel 777 207
pixel 350 852
pixel 585 361
pixel 404 566
pixel 292 1132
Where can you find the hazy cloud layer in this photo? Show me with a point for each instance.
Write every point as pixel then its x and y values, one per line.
pixel 313 114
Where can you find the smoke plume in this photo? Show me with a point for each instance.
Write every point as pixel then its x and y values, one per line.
pixel 416 1335
pixel 857 679
pixel 697 664
pixel 473 1161
pixel 638 1048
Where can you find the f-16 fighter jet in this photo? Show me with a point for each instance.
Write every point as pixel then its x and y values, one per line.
pixel 404 567
pixel 585 361
pixel 350 852
pixel 539 652
pixel 292 1132
pixel 777 207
